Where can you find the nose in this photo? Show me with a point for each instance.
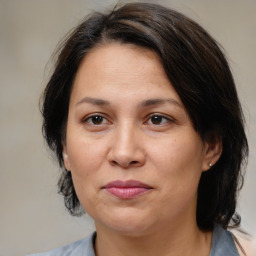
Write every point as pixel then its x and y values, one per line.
pixel 126 148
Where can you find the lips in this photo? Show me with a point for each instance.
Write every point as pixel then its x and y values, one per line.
pixel 127 189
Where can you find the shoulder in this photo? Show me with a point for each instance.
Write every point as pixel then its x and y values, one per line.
pixel 82 247
pixel 233 243
pixel 223 243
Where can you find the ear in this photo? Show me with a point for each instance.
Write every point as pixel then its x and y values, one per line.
pixel 212 153
pixel 65 156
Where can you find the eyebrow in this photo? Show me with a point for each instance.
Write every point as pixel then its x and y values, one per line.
pixel 144 103
pixel 94 101
pixel 152 102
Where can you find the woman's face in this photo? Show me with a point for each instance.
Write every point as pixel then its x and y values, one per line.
pixel 134 155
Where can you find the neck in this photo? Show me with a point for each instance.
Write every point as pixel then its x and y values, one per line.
pixel 177 240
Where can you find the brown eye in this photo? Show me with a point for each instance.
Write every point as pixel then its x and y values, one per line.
pixel 96 120
pixel 157 120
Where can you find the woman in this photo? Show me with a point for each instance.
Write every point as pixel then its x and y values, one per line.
pixel 143 115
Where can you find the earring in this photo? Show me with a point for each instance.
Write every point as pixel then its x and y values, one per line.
pixel 210 165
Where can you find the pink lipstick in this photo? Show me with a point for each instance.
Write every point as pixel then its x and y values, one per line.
pixel 127 189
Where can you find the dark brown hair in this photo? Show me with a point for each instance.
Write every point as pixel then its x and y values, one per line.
pixel 199 72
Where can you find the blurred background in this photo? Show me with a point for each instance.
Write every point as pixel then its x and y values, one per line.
pixel 32 215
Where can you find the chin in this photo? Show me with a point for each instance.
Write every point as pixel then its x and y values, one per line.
pixel 127 223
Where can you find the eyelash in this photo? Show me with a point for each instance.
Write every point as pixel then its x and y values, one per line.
pixel 88 119
pixel 104 121
pixel 163 117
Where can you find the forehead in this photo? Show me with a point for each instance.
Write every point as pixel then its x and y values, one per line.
pixel 124 58
pixel 125 66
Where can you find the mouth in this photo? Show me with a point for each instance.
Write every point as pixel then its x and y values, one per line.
pixel 127 189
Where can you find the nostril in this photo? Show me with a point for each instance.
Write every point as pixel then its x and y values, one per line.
pixel 125 164
pixel 114 162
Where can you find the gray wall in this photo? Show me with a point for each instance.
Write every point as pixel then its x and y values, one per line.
pixel 32 215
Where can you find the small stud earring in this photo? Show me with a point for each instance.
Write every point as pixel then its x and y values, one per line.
pixel 210 165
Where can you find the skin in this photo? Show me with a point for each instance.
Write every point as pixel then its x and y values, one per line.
pixel 126 122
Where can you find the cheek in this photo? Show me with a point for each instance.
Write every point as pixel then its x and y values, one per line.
pixel 85 162
pixel 85 156
pixel 180 153
pixel 179 162
pixel 179 170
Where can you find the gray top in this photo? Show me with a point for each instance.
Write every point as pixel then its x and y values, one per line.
pixel 82 247
pixel 222 244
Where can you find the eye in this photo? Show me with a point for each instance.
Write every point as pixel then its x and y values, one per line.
pixel 96 120
pixel 157 119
